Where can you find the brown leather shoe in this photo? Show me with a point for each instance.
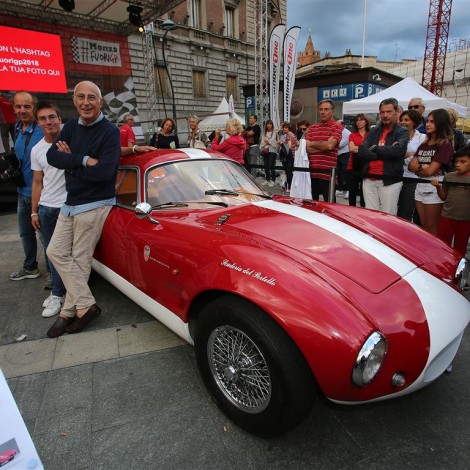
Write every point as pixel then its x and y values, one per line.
pixel 59 326
pixel 83 321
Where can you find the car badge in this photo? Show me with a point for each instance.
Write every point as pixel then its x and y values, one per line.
pixel 146 253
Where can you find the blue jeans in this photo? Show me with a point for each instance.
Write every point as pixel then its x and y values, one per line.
pixel 47 219
pixel 27 233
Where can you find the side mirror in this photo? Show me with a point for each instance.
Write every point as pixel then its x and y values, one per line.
pixel 143 211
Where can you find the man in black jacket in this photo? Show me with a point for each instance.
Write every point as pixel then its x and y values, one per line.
pixel 381 157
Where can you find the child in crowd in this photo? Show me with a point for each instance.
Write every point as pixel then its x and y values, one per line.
pixel 455 191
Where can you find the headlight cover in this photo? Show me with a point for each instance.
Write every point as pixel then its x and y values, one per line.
pixel 461 273
pixel 369 360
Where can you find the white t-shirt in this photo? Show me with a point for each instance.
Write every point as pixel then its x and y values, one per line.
pixel 53 192
pixel 413 145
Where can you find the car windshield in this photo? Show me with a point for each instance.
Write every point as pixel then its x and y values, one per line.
pixel 201 181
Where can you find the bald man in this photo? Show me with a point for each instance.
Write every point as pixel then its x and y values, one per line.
pixel 88 150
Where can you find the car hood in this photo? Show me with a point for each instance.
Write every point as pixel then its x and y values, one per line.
pixel 372 249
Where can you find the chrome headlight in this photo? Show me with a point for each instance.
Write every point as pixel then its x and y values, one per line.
pixel 369 360
pixel 461 273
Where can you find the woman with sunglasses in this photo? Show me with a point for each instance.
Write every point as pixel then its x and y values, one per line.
pixel 361 128
pixel 431 160
pixel 302 127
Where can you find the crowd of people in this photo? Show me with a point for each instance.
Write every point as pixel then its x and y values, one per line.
pixel 408 165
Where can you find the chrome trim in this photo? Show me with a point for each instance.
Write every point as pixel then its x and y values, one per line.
pixel 362 360
pixel 462 272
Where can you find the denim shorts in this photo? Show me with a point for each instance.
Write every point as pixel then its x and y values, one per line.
pixel 427 194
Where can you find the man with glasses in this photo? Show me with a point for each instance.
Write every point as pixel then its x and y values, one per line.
pixel 381 158
pixel 48 195
pixel 28 134
pixel 88 149
pixel 418 105
pixel 323 139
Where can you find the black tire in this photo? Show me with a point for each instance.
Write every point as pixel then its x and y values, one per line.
pixel 254 371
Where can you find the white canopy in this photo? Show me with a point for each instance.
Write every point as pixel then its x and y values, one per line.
pixel 218 118
pixel 403 91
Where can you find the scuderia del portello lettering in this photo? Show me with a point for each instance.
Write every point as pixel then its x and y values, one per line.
pixel 249 272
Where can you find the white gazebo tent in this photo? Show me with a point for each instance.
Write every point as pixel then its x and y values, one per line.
pixel 403 91
pixel 218 118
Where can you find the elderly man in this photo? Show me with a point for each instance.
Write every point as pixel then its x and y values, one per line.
pixel 88 150
pixel 323 140
pixel 127 138
pixel 381 156
pixel 418 105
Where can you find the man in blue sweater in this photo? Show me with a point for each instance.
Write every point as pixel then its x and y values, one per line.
pixel 88 150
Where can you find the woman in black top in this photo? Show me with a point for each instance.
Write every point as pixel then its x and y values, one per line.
pixel 166 139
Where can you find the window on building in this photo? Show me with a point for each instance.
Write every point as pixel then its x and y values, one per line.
pixel 229 22
pixel 195 13
pixel 162 86
pixel 232 86
pixel 199 84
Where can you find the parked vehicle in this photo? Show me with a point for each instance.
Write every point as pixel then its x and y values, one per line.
pixel 282 298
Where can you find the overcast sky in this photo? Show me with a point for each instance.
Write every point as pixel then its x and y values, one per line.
pixel 395 29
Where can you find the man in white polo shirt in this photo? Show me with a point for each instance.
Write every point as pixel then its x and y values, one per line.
pixel 48 195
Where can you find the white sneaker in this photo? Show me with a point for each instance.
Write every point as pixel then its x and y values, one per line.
pixel 346 194
pixel 265 182
pixel 338 193
pixel 54 306
pixel 46 302
pixel 271 184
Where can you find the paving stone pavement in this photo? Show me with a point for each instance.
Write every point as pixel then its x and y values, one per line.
pixel 126 394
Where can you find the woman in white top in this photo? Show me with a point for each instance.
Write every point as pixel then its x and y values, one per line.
pixel 269 151
pixel 410 119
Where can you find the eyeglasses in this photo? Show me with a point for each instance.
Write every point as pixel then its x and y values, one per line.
pixel 415 106
pixel 51 117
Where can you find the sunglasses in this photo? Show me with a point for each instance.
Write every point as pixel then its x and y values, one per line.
pixel 303 129
pixel 415 106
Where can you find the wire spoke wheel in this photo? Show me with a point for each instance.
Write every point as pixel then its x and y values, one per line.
pixel 239 369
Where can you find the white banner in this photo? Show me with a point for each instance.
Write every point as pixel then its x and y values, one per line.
pixel 89 51
pixel 231 107
pixel 275 54
pixel 290 64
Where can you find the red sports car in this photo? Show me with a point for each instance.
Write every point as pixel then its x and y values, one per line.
pixel 281 296
pixel 7 456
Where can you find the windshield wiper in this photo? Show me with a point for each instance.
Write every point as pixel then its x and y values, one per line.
pixel 169 204
pixel 229 192
pixel 186 204
pixel 225 192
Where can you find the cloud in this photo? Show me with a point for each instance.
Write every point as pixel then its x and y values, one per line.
pixel 395 29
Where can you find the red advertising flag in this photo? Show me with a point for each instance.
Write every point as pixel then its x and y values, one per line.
pixel 290 64
pixel 275 55
pixel 31 61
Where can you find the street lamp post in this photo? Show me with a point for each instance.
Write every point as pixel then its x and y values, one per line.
pixel 168 25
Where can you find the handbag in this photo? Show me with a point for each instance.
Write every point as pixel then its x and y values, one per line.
pixel 265 150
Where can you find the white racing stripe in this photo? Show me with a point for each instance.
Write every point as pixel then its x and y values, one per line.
pixel 365 242
pixel 195 154
pixel 447 312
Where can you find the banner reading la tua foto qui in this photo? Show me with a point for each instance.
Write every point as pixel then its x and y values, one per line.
pixel 31 61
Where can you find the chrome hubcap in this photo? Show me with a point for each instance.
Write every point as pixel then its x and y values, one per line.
pixel 239 369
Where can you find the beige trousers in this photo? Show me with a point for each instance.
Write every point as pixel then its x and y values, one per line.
pixel 71 252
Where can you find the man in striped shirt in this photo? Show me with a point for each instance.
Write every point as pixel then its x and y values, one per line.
pixel 322 147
